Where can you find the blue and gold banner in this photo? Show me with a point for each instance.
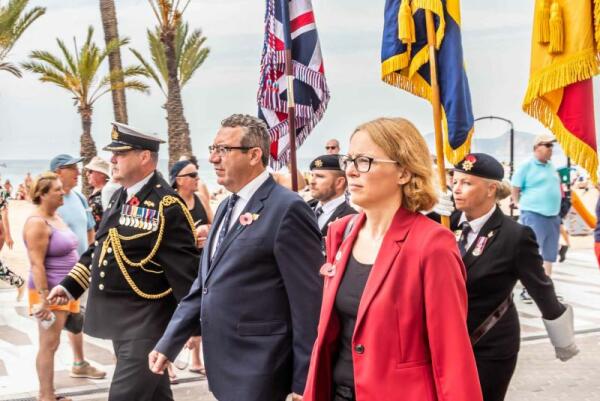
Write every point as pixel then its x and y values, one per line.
pixel 405 64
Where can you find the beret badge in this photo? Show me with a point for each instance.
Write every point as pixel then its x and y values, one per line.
pixel 469 162
pixel 318 163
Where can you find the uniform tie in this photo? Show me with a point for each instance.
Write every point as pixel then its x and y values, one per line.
pixel 318 212
pixel 225 226
pixel 462 241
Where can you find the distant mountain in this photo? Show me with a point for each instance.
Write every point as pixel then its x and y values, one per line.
pixel 499 147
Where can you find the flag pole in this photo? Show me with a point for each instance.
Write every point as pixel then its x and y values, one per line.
pixel 289 73
pixel 437 108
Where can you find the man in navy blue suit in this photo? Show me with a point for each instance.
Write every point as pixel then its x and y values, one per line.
pixel 257 297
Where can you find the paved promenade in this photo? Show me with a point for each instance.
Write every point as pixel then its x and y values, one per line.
pixel 539 375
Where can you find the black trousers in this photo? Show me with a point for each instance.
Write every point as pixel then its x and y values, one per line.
pixel 132 379
pixel 494 376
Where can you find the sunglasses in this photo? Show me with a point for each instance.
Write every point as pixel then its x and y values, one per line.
pixel 191 175
pixel 548 145
pixel 330 147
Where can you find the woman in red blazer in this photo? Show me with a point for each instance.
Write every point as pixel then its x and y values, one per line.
pixel 393 318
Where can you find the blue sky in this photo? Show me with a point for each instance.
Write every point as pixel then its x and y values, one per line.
pixel 39 120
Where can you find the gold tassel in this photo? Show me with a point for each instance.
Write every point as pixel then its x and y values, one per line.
pixel 406 24
pixel 557 37
pixel 543 22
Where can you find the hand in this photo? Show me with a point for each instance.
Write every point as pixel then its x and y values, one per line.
pixel 445 206
pixel 566 353
pixel 58 296
pixel 157 362
pixel 201 235
pixel 193 342
pixel 41 311
pixel 296 397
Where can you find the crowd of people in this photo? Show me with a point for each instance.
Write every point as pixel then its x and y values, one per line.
pixel 356 294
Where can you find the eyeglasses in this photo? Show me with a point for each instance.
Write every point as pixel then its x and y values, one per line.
pixel 223 150
pixel 331 147
pixel 193 174
pixel 361 163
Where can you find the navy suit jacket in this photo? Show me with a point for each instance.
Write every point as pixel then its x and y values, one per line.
pixel 257 301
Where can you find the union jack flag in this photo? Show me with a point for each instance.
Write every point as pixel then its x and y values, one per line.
pixel 311 94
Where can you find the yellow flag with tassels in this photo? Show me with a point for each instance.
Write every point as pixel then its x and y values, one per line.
pixel 565 55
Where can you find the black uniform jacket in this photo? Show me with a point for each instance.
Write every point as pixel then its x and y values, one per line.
pixel 510 253
pixel 342 210
pixel 137 275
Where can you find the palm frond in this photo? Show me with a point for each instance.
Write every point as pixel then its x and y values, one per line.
pixel 193 56
pixel 9 67
pixel 134 85
pixel 149 69
pixel 158 54
pixel 14 21
pixel 49 58
pixel 50 74
pixel 68 56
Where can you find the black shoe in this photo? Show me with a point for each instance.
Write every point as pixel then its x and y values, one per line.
pixel 525 297
pixel 562 253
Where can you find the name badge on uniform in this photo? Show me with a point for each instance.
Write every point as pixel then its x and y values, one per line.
pixel 139 217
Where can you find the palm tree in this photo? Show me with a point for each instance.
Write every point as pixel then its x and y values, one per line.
pixel 78 73
pixel 111 32
pixel 14 20
pixel 190 55
pixel 169 14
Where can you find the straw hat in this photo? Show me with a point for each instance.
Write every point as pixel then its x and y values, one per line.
pixel 98 164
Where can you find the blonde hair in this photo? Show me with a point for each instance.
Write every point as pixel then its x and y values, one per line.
pixel 502 189
pixel 402 142
pixel 41 186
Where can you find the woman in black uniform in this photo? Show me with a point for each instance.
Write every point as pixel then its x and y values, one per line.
pixel 497 252
pixel 184 179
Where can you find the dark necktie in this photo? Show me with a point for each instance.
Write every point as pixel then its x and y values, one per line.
pixel 462 241
pixel 225 226
pixel 318 212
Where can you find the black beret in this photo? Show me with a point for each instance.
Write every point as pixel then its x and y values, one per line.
pixel 481 165
pixel 326 162
pixel 176 169
pixel 125 137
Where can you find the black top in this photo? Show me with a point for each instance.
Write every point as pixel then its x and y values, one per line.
pixel 198 213
pixel 507 252
pixel 346 304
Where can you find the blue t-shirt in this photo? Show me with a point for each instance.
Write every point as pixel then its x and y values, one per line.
pixel 77 214
pixel 540 187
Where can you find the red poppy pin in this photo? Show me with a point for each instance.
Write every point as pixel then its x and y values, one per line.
pixel 469 162
pixel 327 270
pixel 134 201
pixel 248 218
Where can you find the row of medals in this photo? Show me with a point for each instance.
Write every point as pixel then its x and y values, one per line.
pixel 138 222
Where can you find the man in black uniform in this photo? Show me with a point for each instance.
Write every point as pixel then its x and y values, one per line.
pixel 328 189
pixel 142 263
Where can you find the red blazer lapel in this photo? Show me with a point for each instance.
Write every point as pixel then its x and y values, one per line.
pixel 389 251
pixel 339 259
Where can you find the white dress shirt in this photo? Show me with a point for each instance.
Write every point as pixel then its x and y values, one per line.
pixel 135 188
pixel 476 225
pixel 244 197
pixel 328 209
